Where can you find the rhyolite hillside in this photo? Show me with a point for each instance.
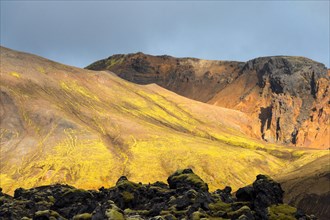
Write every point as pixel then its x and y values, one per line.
pixel 66 125
pixel 287 98
pixel 85 128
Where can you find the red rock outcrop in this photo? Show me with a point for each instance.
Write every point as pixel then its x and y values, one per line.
pixel 287 96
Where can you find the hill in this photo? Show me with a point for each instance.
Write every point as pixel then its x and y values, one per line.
pixel 62 124
pixel 286 98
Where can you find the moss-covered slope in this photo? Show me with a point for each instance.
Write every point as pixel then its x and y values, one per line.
pixel 61 124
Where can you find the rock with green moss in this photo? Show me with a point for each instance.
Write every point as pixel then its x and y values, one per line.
pixel 263 193
pixel 186 197
pixel 74 202
pixel 186 179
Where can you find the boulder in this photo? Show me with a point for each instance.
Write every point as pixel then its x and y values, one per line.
pixel 186 179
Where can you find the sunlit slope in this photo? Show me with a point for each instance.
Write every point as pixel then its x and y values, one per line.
pixel 61 124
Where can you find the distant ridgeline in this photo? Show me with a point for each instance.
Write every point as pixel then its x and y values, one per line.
pixel 185 197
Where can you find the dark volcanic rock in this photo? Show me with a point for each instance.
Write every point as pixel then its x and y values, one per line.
pixel 245 194
pixel 267 191
pixel 262 194
pixel 187 197
pixel 296 76
pixel 83 201
pixel 225 194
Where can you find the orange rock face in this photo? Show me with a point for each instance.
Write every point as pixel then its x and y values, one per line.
pixel 287 97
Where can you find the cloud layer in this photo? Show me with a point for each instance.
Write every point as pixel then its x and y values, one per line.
pixel 80 32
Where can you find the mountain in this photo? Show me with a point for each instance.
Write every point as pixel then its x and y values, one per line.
pixel 286 98
pixel 66 125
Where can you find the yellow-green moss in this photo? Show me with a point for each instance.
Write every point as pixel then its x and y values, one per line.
pixel 77 191
pixel 51 199
pixel 84 216
pixel 114 215
pixel 281 212
pixel 113 62
pixel 239 212
pixel 15 74
pixel 127 196
pixel 192 178
pixel 220 206
pixel 126 184
pixel 47 212
pixel 41 70
pixel 197 216
pixel 136 212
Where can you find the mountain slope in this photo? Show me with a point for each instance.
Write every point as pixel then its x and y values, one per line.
pixel 188 77
pixel 61 124
pixel 287 98
pixel 308 187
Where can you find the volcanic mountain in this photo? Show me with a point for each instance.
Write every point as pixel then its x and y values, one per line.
pixel 61 124
pixel 286 98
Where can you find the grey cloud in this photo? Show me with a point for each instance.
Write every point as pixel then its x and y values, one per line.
pixel 78 33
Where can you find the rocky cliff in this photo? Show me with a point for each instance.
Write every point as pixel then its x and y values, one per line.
pixel 286 97
pixel 289 96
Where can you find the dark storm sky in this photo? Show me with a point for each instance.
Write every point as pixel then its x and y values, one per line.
pixel 80 32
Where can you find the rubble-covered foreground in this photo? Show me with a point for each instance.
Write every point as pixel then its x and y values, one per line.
pixel 186 196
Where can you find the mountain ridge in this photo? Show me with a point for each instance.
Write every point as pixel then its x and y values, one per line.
pixel 259 87
pixel 61 124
